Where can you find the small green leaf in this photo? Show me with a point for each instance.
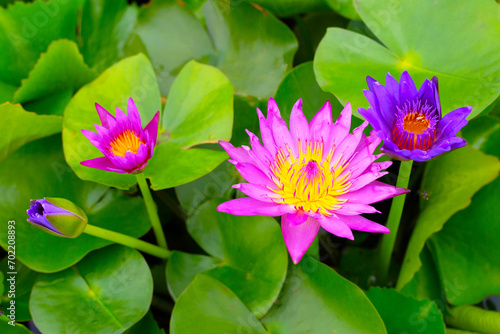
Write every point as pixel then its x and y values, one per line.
pixel 315 299
pixel 16 328
pixel 450 185
pixel 131 77
pixel 208 306
pixel 255 60
pixel 248 256
pixel 51 104
pixel 107 292
pixel 286 7
pixel 60 68
pixel 406 315
pixel 105 28
pixel 40 170
pixel 19 127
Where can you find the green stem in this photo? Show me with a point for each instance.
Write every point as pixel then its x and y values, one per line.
pixel 152 210
pixel 388 240
pixel 126 240
pixel 473 318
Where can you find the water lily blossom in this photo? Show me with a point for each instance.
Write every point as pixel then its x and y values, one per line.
pixel 127 147
pixel 409 121
pixel 315 175
pixel 57 216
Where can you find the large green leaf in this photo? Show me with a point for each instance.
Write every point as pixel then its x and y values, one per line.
pixel 19 127
pixel 466 250
pixel 208 306
pixel 248 253
pixel 107 292
pixel 26 30
pixel 147 325
pixel 38 170
pixel 315 299
pixel 172 36
pixel 285 7
pixel 199 110
pixel 5 327
pixel 450 182
pixel 468 71
pixel 255 60
pixel 105 28
pixel 345 8
pixel 406 315
pixel 132 77
pixel 60 68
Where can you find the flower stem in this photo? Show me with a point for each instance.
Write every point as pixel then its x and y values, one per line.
pixel 126 240
pixel 388 240
pixel 473 318
pixel 152 210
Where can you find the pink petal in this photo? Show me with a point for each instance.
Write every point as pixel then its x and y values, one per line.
pixel 360 223
pixel 335 226
pixel 282 136
pixel 248 206
pixel 152 130
pixel 296 218
pixel 102 163
pixel 253 174
pixel 373 192
pixel 299 127
pixel 266 132
pixel 348 146
pixel 238 154
pixel 321 123
pixel 341 127
pixel 256 191
pixel 351 209
pixel 107 120
pixel 298 238
pixel 132 113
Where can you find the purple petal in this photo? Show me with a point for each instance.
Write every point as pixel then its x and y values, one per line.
pixel 386 104
pixel 256 191
pixel 376 121
pixel 298 238
pixel 426 94
pixel 373 192
pixel 49 208
pixel 452 122
pixel 436 94
pixel 407 88
pixel 360 223
pixel 392 86
pixel 335 226
pixel 102 163
pixel 248 206
pixel 107 120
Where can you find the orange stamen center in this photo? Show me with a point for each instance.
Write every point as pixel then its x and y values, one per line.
pixel 126 141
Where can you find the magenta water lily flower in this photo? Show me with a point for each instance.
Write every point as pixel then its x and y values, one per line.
pixel 127 147
pixel 315 175
pixel 409 121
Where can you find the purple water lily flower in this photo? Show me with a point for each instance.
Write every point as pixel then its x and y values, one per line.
pixel 409 121
pixel 57 216
pixel 127 147
pixel 315 175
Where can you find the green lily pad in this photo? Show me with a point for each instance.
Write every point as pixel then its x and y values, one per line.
pixel 60 68
pixel 466 250
pixel 255 60
pixel 107 292
pixel 27 29
pixel 344 59
pixel 245 118
pixel 7 92
pixel 450 184
pixel 5 327
pixel 53 104
pixel 315 299
pixel 172 36
pixel 147 325
pixel 248 256
pixel 132 77
pixel 19 127
pixel 406 315
pixel 40 171
pixel 208 306
pixel 106 26
pixel 284 8
pixel 345 8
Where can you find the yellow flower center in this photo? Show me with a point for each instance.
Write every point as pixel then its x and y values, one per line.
pixel 126 141
pixel 310 181
pixel 415 122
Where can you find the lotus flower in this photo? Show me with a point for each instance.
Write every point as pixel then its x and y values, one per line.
pixel 409 121
pixel 57 216
pixel 127 147
pixel 315 175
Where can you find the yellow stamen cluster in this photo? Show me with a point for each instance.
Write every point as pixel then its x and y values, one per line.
pixel 415 122
pixel 310 181
pixel 126 141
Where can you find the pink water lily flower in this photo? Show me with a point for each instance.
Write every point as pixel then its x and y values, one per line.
pixel 318 174
pixel 126 146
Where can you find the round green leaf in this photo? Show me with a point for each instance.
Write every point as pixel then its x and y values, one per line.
pixel 132 77
pixel 172 36
pixel 255 60
pixel 468 71
pixel 19 127
pixel 286 7
pixel 406 315
pixel 53 104
pixel 208 306
pixel 27 29
pixel 249 251
pixel 345 8
pixel 106 26
pixel 315 299
pixel 40 171
pixel 147 325
pixel 107 292
pixel 60 68
pixel 450 184
pixel 5 327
